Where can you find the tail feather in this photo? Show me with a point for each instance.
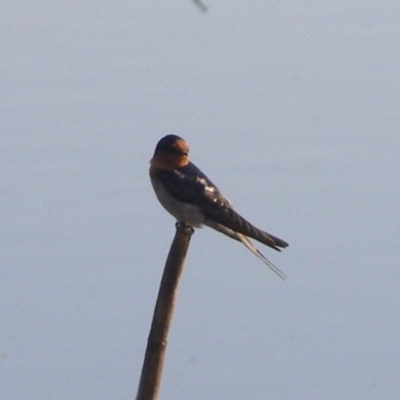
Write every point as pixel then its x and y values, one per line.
pixel 278 242
pixel 246 241
pixel 234 221
pixel 258 254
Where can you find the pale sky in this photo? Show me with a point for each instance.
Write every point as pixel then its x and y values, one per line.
pixel 291 109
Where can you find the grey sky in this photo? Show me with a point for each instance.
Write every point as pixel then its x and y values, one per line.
pixel 291 108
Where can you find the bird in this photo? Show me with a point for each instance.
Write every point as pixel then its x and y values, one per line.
pixel 193 199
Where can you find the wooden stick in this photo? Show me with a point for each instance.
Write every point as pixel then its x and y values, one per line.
pixel 157 341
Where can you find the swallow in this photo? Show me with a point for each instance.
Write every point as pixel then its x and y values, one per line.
pixel 186 193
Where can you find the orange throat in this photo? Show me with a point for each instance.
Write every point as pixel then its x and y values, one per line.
pixel 167 162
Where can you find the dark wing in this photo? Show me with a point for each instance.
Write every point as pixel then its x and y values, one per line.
pixel 218 209
pixel 228 217
pixel 188 184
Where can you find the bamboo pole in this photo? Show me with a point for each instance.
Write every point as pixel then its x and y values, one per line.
pixel 150 378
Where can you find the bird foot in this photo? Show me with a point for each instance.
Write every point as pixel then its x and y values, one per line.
pixel 182 225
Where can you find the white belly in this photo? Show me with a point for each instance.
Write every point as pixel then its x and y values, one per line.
pixel 187 213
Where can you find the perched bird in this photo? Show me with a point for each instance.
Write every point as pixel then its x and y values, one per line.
pixel 193 199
